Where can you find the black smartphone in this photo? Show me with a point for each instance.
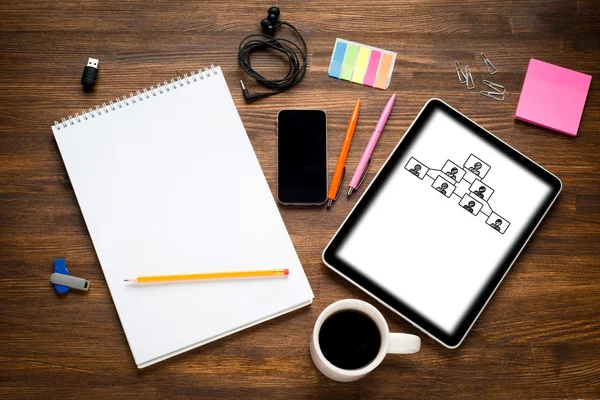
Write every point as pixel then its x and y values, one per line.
pixel 302 157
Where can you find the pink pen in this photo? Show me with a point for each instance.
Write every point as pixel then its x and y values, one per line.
pixel 365 160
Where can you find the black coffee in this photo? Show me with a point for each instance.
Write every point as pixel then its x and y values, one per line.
pixel 349 339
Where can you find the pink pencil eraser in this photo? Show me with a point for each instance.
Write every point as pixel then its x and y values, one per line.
pixel 286 271
pixel 553 97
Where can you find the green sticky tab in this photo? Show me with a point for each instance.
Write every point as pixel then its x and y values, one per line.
pixel 349 61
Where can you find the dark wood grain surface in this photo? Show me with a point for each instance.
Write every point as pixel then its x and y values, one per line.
pixel 539 337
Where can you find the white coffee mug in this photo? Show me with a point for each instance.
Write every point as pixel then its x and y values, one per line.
pixel 393 343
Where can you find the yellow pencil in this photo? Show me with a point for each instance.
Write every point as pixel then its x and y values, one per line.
pixel 210 275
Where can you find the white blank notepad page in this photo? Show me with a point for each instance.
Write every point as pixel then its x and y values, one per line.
pixel 168 185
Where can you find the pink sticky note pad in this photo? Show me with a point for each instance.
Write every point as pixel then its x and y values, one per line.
pixel 553 97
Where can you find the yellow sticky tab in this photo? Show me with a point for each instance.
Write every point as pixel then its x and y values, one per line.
pixel 361 65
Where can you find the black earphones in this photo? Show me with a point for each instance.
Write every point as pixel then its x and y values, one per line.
pixel 296 54
pixel 271 23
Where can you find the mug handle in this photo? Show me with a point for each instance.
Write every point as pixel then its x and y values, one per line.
pixel 403 343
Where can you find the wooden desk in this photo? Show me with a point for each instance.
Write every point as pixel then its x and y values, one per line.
pixel 538 338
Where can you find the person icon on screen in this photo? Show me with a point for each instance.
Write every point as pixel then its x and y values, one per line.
pixel 475 168
pixel 452 173
pixel 479 192
pixel 442 188
pixel 469 206
pixel 496 225
pixel 415 170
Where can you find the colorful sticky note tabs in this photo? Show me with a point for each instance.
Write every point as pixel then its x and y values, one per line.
pixel 362 64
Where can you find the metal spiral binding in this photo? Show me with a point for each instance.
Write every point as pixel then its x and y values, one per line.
pixel 120 102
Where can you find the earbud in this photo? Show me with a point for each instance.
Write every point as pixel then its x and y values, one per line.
pixel 267 27
pixel 271 23
pixel 273 14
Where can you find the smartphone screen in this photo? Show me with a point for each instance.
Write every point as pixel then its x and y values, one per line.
pixel 302 157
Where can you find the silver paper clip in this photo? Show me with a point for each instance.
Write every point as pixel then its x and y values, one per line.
pixel 493 95
pixel 498 91
pixel 488 64
pixel 462 78
pixel 497 87
pixel 469 78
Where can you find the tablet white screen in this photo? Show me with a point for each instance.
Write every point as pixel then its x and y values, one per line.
pixel 443 221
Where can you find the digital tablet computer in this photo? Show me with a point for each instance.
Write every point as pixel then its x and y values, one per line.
pixel 443 221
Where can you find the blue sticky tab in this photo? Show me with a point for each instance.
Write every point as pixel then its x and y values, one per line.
pixel 60 267
pixel 335 68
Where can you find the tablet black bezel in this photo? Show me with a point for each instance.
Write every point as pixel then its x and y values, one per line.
pixel 364 282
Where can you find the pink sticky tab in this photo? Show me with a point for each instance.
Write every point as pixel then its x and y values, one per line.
pixel 372 68
pixel 553 97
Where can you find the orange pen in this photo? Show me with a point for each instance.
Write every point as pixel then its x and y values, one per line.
pixel 340 168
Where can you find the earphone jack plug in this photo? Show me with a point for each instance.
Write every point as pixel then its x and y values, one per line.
pixel 249 98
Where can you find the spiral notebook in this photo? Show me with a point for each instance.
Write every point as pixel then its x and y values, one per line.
pixel 168 183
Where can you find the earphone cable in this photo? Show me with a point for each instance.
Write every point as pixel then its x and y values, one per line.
pixel 296 56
